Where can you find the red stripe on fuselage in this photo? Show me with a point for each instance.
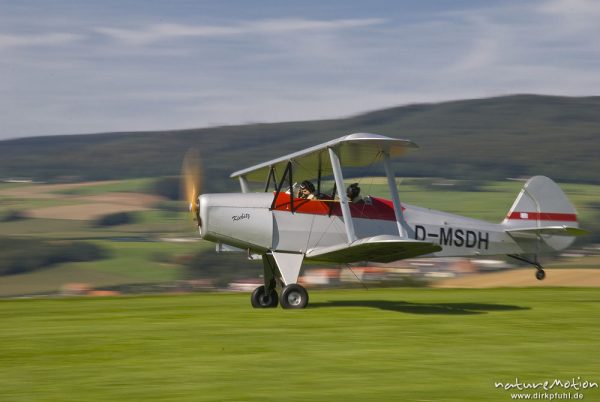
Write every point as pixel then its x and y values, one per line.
pixel 542 216
pixel 378 208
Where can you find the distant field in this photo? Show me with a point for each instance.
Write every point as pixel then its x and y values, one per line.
pixel 66 211
pixel 129 262
pixel 115 186
pixel 490 202
pixel 352 345
pixel 41 190
pixel 78 201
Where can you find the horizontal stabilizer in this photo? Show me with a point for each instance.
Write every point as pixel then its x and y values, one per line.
pixel 548 230
pixel 376 249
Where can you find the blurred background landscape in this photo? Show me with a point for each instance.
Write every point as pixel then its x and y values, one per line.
pixel 102 100
pixel 101 213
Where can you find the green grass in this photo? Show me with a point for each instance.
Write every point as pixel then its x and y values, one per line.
pixel 159 221
pixel 127 186
pixel 147 223
pixel 377 345
pixel 146 261
pixel 6 186
pixel 51 280
pixel 48 228
pixel 9 203
pixel 128 262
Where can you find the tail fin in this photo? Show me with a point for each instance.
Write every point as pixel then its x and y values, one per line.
pixel 542 209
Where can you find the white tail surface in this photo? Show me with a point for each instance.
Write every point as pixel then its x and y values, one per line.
pixel 542 209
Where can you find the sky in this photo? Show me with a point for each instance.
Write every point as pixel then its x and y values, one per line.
pixel 74 67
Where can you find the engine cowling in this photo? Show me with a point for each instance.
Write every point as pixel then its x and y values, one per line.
pixel 241 220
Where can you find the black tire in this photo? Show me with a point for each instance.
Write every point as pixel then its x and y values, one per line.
pixel 540 274
pixel 260 299
pixel 294 296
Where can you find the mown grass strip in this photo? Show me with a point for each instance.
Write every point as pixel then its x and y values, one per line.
pixel 385 345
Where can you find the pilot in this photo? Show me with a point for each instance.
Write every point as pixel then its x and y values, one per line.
pixel 353 193
pixel 307 190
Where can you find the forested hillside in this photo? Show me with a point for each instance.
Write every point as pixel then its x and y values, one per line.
pixel 491 138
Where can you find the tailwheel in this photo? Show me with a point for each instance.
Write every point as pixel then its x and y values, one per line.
pixel 540 274
pixel 294 296
pixel 261 299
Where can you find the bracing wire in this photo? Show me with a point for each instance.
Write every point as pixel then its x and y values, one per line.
pixel 356 276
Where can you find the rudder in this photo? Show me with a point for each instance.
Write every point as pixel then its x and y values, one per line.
pixel 542 209
pixel 541 203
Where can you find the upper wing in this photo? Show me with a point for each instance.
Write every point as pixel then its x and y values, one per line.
pixel 354 150
pixel 377 249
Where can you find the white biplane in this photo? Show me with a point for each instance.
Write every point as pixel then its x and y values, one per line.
pixel 286 229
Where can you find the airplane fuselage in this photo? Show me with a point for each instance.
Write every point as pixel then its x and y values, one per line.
pixel 252 221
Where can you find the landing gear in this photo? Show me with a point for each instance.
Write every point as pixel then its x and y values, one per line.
pixel 266 296
pixel 281 268
pixel 262 299
pixel 540 273
pixel 294 296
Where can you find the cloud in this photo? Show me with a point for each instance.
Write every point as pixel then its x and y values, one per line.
pixel 47 39
pixel 515 40
pixel 572 16
pixel 585 9
pixel 126 71
pixel 292 24
pixel 158 32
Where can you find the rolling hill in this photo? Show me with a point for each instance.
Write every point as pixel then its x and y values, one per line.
pixel 477 139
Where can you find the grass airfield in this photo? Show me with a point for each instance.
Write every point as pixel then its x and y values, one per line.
pixel 351 345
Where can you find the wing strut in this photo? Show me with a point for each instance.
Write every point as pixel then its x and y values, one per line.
pixel 244 184
pixel 391 179
pixel 339 183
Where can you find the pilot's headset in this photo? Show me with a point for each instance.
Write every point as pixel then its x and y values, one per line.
pixel 307 184
pixel 353 191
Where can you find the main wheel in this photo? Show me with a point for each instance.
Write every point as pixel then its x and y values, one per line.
pixel 540 274
pixel 294 296
pixel 260 298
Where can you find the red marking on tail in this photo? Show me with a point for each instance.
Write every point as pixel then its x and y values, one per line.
pixel 542 216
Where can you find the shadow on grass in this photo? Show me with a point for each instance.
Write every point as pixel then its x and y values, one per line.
pixel 421 308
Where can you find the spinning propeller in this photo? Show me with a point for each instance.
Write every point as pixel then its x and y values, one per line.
pixel 191 182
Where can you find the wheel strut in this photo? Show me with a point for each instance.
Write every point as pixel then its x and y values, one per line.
pixel 266 296
pixel 540 274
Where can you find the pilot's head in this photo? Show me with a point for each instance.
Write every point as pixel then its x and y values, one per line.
pixel 353 191
pixel 307 186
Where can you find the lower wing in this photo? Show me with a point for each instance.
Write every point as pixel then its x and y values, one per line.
pixel 376 249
